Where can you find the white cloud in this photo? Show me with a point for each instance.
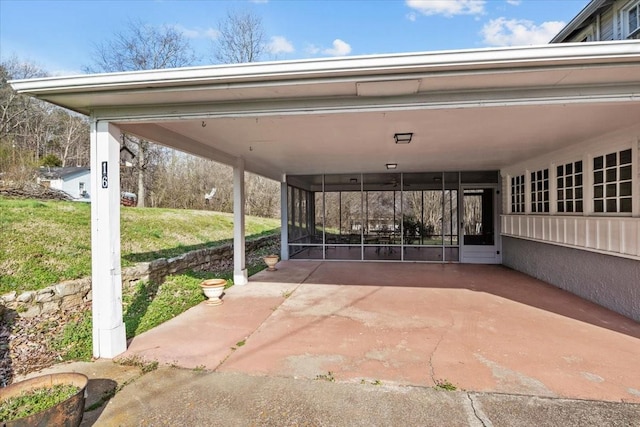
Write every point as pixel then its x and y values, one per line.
pixel 514 32
pixel 279 44
pixel 197 33
pixel 411 16
pixel 312 49
pixel 447 8
pixel 340 48
pixel 211 33
pixel 514 2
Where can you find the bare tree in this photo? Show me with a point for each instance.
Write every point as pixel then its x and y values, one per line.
pixel 241 38
pixel 71 134
pixel 142 47
pixel 25 122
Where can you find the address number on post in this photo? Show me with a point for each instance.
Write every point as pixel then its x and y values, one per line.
pixel 105 176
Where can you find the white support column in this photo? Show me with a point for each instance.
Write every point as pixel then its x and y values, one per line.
pixel 239 256
pixel 284 221
pixel 109 337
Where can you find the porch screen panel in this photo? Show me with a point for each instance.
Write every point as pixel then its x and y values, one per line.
pixel 299 219
pixel 412 225
pixel 319 224
pixel 332 224
pixel 381 226
pixel 290 211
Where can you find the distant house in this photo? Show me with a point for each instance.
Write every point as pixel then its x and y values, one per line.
pixel 74 181
pixel 603 20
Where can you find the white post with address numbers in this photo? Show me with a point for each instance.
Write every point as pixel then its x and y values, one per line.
pixel 109 337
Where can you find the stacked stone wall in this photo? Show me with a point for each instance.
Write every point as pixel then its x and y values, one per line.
pixel 73 293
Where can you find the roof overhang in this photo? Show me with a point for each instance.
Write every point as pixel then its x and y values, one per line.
pixel 470 109
pixel 580 19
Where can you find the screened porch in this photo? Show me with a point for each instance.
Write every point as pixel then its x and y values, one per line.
pixel 426 217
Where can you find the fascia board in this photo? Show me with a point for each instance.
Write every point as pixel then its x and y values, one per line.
pixel 510 58
pixel 428 100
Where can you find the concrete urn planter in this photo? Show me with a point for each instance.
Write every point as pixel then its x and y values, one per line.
pixel 213 289
pixel 271 261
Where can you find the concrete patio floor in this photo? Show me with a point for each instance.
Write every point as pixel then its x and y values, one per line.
pixel 480 328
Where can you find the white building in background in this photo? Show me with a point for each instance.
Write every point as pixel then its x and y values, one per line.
pixel 74 181
pixel 603 20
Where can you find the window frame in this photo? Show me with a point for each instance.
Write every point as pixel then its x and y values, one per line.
pixel 517 193
pixel 606 182
pixel 627 32
pixel 539 191
pixel 574 186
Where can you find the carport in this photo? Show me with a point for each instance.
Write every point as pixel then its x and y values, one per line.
pixel 480 120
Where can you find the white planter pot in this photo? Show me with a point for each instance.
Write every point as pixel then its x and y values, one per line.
pixel 213 289
pixel 271 261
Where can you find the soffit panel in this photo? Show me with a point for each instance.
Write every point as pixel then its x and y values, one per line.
pixel 487 138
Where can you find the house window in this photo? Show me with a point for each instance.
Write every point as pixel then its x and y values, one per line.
pixel 517 194
pixel 631 18
pixel 540 191
pixel 569 179
pixel 612 182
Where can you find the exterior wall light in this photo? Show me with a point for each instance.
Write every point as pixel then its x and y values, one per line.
pixel 403 138
pixel 392 165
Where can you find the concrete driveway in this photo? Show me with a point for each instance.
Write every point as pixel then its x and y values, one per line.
pixel 474 327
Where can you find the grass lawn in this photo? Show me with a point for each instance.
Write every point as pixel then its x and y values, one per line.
pixel 45 242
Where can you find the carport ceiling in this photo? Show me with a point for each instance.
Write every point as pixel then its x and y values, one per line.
pixel 468 110
pixel 446 139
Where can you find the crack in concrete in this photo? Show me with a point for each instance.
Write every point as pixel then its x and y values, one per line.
pixel 477 412
pixel 234 349
pixel 431 369
pixel 309 275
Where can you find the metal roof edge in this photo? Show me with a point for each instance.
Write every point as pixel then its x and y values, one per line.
pixel 514 57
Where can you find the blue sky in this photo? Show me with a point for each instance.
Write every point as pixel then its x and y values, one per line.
pixel 59 35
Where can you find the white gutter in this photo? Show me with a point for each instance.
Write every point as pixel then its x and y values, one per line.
pixel 578 20
pixel 490 58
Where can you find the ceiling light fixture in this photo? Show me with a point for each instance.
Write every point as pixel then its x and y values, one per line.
pixel 403 138
pixel 392 165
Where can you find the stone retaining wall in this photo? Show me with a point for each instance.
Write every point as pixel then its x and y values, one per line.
pixel 73 293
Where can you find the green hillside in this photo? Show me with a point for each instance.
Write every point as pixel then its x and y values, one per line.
pixel 45 242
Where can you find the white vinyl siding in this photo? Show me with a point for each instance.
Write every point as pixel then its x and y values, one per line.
pixel 606 25
pixel 600 180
